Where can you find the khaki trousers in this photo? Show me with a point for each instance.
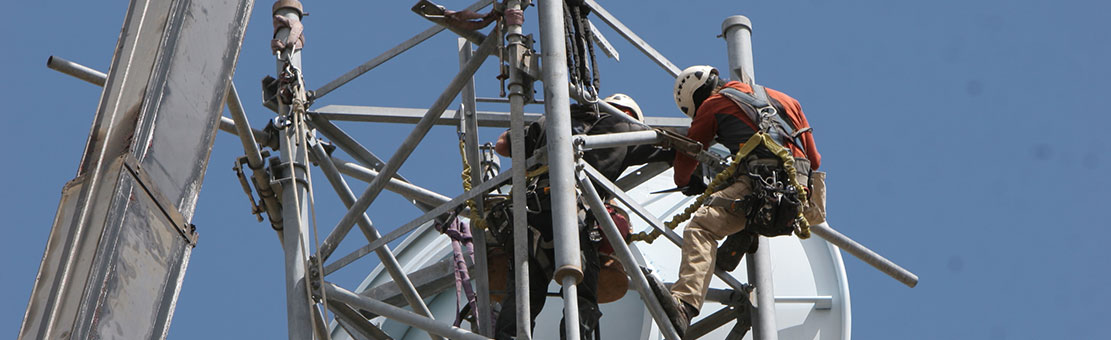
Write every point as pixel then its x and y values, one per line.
pixel 712 224
pixel 700 240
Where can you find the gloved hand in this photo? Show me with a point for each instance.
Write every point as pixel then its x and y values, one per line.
pixel 696 186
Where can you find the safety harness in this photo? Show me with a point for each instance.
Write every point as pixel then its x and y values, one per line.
pixel 775 205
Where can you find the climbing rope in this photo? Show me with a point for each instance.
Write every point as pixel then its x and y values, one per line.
pixel 758 139
pixel 303 134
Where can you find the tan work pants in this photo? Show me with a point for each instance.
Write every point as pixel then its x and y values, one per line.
pixel 700 241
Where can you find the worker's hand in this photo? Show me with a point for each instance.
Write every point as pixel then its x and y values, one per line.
pixel 696 186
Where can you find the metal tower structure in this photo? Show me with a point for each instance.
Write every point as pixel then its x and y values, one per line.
pixel 137 184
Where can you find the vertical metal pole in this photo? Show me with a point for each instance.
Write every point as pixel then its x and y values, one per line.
pixel 561 162
pixel 295 207
pixel 474 158
pixel 737 31
pixel 514 48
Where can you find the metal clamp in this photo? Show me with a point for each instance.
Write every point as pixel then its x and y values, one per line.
pixel 314 278
pixel 256 209
pixel 281 175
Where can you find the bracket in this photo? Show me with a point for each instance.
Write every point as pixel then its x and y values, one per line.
pixel 187 230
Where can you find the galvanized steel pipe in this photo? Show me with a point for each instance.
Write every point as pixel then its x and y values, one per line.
pixel 514 48
pixel 254 157
pixel 77 70
pixel 428 197
pixel 737 31
pixel 397 314
pixel 419 131
pixel 861 252
pixel 640 283
pixel 243 128
pixel 295 225
pixel 393 268
pixel 613 140
pixel 561 161
pixel 473 156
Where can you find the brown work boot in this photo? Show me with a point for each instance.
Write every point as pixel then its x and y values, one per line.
pixel 686 313
pixel 680 317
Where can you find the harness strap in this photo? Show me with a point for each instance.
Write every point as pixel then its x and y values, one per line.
pixel 800 131
pixel 728 204
pixel 786 128
pixel 758 139
pixel 762 113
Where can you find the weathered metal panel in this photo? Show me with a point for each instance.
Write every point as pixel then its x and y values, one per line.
pixel 138 267
pixel 180 116
pixel 113 265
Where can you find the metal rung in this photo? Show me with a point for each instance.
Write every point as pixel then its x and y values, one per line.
pixel 821 302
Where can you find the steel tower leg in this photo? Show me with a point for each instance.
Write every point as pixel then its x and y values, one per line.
pixel 515 46
pixel 294 195
pixel 561 162
pixel 737 31
pixel 469 120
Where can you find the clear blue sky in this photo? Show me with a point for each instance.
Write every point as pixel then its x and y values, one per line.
pixel 963 140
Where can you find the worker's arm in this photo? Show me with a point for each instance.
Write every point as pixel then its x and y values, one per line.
pixel 534 135
pixel 798 119
pixel 643 153
pixel 808 141
pixel 703 128
pixel 502 146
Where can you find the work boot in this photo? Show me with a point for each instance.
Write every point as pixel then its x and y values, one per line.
pixel 680 317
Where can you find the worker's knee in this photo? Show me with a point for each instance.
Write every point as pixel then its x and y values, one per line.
pixel 716 222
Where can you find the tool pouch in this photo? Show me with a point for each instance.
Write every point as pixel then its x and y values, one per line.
pixel 815 211
pixel 774 204
pixel 734 248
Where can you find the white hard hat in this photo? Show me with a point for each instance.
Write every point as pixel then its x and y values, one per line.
pixel 623 100
pixel 689 81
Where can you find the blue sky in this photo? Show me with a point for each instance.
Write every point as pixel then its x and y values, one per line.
pixel 963 140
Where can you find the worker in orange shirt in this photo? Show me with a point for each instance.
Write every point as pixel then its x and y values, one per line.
pixel 731 113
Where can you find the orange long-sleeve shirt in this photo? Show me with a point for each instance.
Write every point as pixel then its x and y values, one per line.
pixel 720 118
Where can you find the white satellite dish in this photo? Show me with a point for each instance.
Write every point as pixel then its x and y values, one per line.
pixel 811 288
